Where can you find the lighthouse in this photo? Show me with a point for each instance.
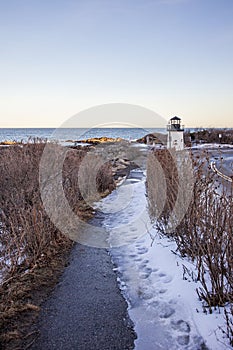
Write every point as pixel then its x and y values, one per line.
pixel 175 134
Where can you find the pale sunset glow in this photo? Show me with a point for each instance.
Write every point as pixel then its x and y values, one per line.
pixel 173 57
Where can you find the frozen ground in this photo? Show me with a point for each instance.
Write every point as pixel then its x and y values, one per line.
pixel 209 146
pixel 159 286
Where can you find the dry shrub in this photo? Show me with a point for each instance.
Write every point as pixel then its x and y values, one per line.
pixel 26 230
pixel 26 233
pixel 169 188
pixel 205 233
pixel 211 135
pixel 162 189
pixel 30 244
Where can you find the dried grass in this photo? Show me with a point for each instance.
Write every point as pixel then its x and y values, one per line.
pixel 205 233
pixel 33 250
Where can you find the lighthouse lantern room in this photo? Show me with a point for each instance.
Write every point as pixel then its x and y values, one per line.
pixel 175 134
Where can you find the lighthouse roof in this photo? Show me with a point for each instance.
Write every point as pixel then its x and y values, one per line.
pixel 175 118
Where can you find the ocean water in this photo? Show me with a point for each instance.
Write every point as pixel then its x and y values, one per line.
pixel 21 134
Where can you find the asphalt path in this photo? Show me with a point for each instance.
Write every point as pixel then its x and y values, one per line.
pixel 86 311
pixel 221 160
pixel 222 165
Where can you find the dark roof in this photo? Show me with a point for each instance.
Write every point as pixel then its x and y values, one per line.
pixel 175 118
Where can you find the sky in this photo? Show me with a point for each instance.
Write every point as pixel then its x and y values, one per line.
pixel 174 57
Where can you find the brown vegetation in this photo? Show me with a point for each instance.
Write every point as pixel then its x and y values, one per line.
pixel 155 138
pixel 99 140
pixel 205 232
pixel 210 136
pixel 33 251
pixel 9 143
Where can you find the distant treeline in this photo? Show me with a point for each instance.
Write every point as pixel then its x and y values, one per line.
pixel 209 136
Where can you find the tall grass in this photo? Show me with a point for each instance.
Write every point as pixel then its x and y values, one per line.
pixel 27 234
pixel 32 249
pixel 205 232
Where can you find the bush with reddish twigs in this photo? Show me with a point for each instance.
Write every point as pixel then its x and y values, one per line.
pixel 205 233
pixel 26 230
pixel 210 136
pixel 31 246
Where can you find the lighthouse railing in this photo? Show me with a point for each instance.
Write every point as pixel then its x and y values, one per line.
pixel 175 127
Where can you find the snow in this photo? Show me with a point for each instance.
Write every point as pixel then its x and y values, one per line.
pixel 168 297
pixel 209 146
pixel 125 217
pixel 159 285
pixel 6 260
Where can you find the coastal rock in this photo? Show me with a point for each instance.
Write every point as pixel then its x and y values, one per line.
pixel 121 168
pixel 151 139
pixel 9 143
pixel 98 140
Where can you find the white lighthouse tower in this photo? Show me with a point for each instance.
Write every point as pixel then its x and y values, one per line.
pixel 175 134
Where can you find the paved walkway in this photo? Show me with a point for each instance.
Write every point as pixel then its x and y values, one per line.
pixel 86 311
pixel 223 176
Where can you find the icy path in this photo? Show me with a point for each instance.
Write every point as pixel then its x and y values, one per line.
pixel 162 299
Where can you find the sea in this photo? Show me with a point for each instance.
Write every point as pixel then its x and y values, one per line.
pixel 70 135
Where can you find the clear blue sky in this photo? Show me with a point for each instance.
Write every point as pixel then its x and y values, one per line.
pixel 59 57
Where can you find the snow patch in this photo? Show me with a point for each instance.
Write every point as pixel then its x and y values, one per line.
pixel 159 285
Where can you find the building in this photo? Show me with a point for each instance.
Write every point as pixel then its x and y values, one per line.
pixel 175 137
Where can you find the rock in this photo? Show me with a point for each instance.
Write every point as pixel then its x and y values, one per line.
pixel 9 143
pixel 151 139
pixel 99 140
pixel 125 162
